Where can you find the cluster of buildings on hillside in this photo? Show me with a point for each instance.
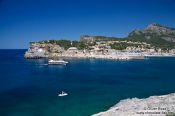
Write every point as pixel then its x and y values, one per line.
pixel 101 49
pixel 133 47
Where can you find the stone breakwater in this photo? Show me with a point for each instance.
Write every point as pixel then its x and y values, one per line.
pixel 153 106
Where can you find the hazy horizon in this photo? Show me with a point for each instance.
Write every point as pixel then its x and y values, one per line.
pixel 34 20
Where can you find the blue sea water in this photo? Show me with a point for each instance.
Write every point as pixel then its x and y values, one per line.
pixel 29 87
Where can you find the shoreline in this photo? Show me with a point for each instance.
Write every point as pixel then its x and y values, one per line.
pixel 162 105
pixel 139 57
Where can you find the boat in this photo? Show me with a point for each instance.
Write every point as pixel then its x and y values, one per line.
pixel 62 94
pixel 51 61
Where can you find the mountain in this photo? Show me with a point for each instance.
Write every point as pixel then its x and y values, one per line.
pixel 156 35
pixel 163 32
pixel 159 29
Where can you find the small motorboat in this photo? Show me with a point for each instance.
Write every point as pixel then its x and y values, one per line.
pixel 62 94
pixel 57 62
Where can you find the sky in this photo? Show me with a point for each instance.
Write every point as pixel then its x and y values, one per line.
pixel 23 21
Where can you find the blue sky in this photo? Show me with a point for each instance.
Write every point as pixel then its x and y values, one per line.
pixel 22 21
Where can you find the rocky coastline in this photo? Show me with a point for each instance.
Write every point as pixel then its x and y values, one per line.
pixel 163 105
pixel 43 50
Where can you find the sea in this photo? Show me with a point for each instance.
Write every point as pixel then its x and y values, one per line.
pixel 30 87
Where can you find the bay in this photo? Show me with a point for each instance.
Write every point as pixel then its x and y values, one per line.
pixel 29 87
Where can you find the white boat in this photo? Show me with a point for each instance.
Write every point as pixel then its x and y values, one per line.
pixel 62 94
pixel 57 62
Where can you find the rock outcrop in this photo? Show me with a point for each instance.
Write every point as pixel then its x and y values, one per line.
pixel 153 106
pixel 42 50
pixel 87 39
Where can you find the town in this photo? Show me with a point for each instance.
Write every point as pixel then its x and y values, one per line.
pixel 91 47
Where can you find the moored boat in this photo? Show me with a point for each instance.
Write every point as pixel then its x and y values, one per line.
pixel 61 62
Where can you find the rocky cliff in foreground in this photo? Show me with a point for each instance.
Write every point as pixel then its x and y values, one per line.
pixel 153 106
